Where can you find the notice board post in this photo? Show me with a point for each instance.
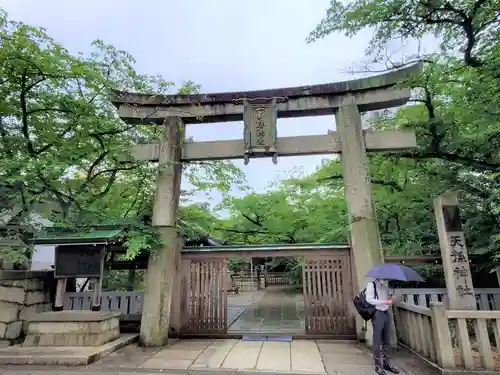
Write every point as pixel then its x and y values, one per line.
pixel 75 261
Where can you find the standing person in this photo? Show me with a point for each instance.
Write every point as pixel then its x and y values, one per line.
pixel 377 294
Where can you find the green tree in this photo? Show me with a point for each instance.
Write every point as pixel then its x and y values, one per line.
pixel 456 99
pixel 294 212
pixel 64 152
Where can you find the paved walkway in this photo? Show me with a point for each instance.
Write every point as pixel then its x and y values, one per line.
pixel 305 357
pixel 239 303
pixel 276 312
pixel 298 356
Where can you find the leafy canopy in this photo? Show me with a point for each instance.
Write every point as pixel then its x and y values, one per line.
pixel 455 100
pixel 64 153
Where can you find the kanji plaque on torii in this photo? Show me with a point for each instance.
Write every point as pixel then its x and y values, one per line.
pixel 454 253
pixel 260 134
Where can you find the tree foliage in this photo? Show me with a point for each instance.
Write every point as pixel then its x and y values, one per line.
pixel 456 99
pixel 64 153
pixel 294 212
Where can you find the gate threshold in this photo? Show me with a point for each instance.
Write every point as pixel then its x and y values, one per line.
pixel 257 337
pixel 247 336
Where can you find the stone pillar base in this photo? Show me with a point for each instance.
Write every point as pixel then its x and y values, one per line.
pixel 72 328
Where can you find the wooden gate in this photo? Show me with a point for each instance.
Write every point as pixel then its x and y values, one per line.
pixel 204 293
pixel 327 294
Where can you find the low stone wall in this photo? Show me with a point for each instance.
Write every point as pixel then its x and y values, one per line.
pixel 72 328
pixel 22 293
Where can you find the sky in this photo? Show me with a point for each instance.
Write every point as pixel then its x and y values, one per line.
pixel 221 45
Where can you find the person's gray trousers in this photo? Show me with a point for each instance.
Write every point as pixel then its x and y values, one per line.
pixel 381 322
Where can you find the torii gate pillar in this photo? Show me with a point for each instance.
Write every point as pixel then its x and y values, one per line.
pixel 162 276
pixel 365 236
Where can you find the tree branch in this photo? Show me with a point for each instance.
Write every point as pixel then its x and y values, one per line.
pixel 24 117
pixel 255 221
pixel 139 188
pixel 247 232
pixel 392 184
pixel 470 162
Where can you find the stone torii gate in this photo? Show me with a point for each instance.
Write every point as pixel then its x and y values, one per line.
pixel 260 110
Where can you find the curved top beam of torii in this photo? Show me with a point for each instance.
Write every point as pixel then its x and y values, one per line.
pixel 371 93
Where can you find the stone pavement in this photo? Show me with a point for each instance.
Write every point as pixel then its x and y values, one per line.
pixel 300 356
pixel 276 312
pixel 304 357
pixel 238 303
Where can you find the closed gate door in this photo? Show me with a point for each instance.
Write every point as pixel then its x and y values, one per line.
pixel 327 294
pixel 206 296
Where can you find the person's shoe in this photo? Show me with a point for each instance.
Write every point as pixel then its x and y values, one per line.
pixel 391 368
pixel 380 370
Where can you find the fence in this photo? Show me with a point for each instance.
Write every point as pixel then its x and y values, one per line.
pixel 245 283
pixel 487 298
pixel 130 303
pixel 415 329
pixel 277 280
pixel 454 339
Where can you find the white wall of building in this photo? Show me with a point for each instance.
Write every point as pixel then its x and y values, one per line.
pixel 43 259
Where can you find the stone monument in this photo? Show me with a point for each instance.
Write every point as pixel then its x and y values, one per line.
pixel 456 264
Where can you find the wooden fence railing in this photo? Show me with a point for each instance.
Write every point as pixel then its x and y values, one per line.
pixel 454 339
pixel 487 298
pixel 245 284
pixel 277 280
pixel 476 335
pixel 130 303
pixel 415 330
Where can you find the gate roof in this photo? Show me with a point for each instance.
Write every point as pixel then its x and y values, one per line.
pixel 113 234
pixel 263 251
